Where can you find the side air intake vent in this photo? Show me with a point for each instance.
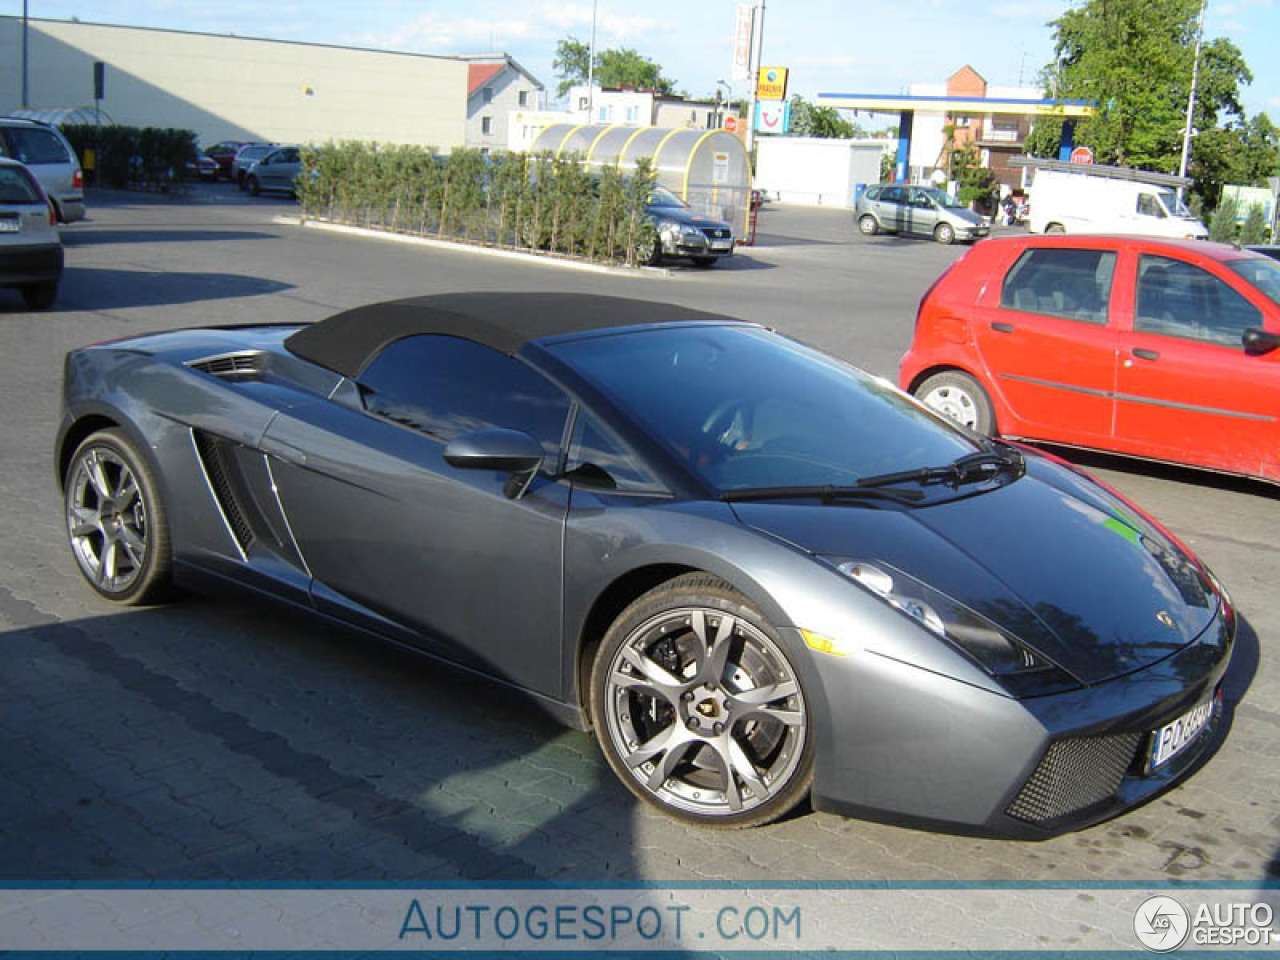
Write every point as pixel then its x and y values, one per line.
pixel 231 366
pixel 216 455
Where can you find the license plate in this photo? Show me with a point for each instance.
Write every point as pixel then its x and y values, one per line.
pixel 1171 739
pixel 10 226
pixel 721 244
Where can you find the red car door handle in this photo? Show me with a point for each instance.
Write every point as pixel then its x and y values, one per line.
pixel 1146 354
pixel 1002 327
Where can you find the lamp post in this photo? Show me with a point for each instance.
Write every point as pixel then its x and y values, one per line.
pixel 26 90
pixel 591 68
pixel 1191 98
pixel 728 101
pixel 757 51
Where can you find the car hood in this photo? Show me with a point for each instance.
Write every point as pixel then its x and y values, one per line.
pixel 968 216
pixel 1073 571
pixel 681 215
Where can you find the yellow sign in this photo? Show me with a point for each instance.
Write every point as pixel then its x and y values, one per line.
pixel 771 84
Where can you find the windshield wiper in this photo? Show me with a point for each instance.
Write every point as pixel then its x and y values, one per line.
pixel 980 465
pixel 827 494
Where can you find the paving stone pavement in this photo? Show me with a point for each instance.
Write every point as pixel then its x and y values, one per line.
pixel 209 739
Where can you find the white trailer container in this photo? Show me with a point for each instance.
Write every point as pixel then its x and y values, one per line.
pixel 1094 198
pixel 817 171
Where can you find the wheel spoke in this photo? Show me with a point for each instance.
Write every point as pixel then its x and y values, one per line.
pixel 665 767
pixel 766 694
pixel 714 652
pixel 107 566
pixel 659 679
pixel 133 545
pixel 740 764
pixel 790 718
pixel 127 493
pixel 84 522
pixel 97 476
pixel 672 736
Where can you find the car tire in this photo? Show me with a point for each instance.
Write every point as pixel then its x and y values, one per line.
pixel 1055 228
pixel 240 180
pixel 944 233
pixel 704 262
pixel 648 250
pixel 869 225
pixel 116 517
pixel 39 296
pixel 680 704
pixel 959 396
pixel 253 186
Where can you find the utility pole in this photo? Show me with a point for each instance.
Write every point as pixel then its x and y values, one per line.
pixel 757 47
pixel 26 89
pixel 1191 98
pixel 591 68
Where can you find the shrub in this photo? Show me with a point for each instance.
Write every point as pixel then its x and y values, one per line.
pixel 1222 226
pixel 140 157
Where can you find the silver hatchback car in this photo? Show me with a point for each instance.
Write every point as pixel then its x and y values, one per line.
pixel 48 155
pixel 899 208
pixel 30 247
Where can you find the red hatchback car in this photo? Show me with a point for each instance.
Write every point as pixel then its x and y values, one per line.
pixel 1162 349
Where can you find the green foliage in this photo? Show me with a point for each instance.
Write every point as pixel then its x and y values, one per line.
pixel 150 158
pixel 810 120
pixel 613 68
pixel 888 166
pixel 1254 229
pixel 539 201
pixel 1222 226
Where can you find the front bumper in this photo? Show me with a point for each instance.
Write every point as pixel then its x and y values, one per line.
pixel 20 266
pixel 903 745
pixel 681 245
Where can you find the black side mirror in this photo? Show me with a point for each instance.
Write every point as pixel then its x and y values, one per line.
pixel 1257 341
pixel 507 451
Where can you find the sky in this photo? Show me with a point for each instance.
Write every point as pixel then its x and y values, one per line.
pixel 831 46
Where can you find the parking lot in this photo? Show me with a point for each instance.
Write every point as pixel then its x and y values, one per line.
pixel 211 739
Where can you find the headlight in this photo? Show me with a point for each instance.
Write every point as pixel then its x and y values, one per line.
pixel 690 233
pixel 1022 671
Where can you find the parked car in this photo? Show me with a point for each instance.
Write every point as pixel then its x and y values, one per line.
pixel 680 232
pixel 245 158
pixel 30 247
pixel 48 155
pixel 1161 349
pixel 276 171
pixel 223 153
pixel 204 167
pixel 756 572
pixel 899 208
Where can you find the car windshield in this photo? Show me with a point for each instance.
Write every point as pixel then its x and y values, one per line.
pixel 1260 272
pixel 944 199
pixel 1171 203
pixel 253 153
pixel 662 197
pixel 745 409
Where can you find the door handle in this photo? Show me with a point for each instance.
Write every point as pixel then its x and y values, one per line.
pixel 283 451
pixel 1002 327
pixel 1142 354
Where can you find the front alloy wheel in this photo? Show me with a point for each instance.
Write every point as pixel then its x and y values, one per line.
pixel 115 521
pixel 699 709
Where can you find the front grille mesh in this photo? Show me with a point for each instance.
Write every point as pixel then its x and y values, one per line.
pixel 1074 774
pixel 717 233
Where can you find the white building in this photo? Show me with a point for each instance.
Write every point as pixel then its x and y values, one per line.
pixel 641 108
pixel 497 87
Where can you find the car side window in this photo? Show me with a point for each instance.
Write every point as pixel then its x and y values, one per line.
pixel 1178 299
pixel 16 187
pixel 30 145
pixel 1073 284
pixel 597 460
pixel 446 386
pixel 1149 206
pixel 892 195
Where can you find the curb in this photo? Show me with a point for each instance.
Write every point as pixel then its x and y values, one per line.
pixel 544 259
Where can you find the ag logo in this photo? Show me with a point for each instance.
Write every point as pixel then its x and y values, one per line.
pixel 1161 924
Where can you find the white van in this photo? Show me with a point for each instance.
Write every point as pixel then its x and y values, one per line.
pixel 1100 199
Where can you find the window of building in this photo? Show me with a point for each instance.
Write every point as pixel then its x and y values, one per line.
pixel 633 114
pixel 523 98
pixel 486 125
pixel 488 94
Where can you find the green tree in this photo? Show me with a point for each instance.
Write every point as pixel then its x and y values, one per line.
pixel 613 68
pixel 1254 229
pixel 1222 226
pixel 811 120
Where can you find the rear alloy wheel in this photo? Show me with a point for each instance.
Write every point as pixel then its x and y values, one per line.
pixel 39 296
pixel 944 233
pixel 698 708
pixel 116 521
pixel 868 225
pixel 957 395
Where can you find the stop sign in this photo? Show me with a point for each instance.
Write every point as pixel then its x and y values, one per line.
pixel 731 123
pixel 1082 155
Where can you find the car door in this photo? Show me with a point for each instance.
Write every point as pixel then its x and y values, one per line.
pixel 889 207
pixel 1042 330
pixel 398 540
pixel 921 212
pixel 1186 389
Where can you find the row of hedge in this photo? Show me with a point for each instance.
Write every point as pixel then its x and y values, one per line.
pixel 516 200
pixel 140 157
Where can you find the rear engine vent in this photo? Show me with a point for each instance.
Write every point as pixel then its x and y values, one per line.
pixel 1075 774
pixel 231 366
pixel 216 455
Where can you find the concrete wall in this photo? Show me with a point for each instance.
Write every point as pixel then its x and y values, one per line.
pixel 816 171
pixel 236 88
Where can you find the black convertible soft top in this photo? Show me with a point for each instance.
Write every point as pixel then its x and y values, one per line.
pixel 347 341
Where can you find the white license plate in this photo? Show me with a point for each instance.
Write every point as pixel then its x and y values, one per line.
pixel 1171 739
pixel 10 226
pixel 721 244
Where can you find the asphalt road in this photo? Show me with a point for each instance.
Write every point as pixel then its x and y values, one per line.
pixel 210 739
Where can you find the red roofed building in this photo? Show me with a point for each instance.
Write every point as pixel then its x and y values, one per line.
pixel 496 85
